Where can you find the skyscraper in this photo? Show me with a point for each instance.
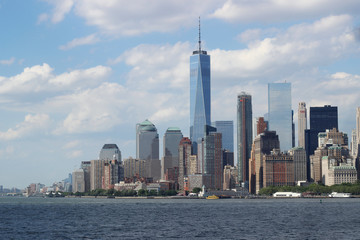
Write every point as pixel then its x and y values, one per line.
pixel 200 98
pixel 147 141
pixel 184 160
pixel 110 152
pixel 244 135
pixel 280 113
pixel 302 124
pixel 172 138
pixel 226 128
pixel 357 129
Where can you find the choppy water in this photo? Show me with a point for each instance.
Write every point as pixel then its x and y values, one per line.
pixel 75 218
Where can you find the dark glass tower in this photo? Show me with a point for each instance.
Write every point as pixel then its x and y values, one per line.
pixel 321 118
pixel 244 135
pixel 200 109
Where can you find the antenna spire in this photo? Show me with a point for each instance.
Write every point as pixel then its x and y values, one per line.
pixel 199 37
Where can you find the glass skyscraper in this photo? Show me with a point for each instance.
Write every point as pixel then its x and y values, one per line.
pixel 172 138
pixel 147 141
pixel 226 128
pixel 244 135
pixel 200 98
pixel 110 152
pixel 280 113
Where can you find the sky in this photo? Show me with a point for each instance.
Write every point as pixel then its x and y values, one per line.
pixel 76 74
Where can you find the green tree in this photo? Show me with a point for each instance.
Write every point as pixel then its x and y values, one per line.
pixel 196 190
pixel 142 192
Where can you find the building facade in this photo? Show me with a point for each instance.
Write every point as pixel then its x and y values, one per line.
pixel 184 160
pixel 78 180
pixel 278 169
pixel 226 128
pixel 200 94
pixel 299 157
pixel 147 141
pixel 302 124
pixel 110 152
pixel 170 159
pixel 244 135
pixel 280 113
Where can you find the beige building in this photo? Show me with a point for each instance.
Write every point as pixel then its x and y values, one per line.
pixel 78 181
pixel 302 124
pixel 299 156
pixel 97 173
pixel 111 174
pixel 134 167
pixel 193 165
pixel 230 177
pixel 337 173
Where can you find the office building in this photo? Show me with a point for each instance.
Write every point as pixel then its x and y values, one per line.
pixel 261 125
pixel 147 141
pixel 135 168
pixel 302 124
pixel 147 148
pixel 244 135
pixel 78 181
pixel 200 94
pixel 263 144
pixel 86 166
pixel 228 158
pixel 354 143
pixel 278 169
pixel 170 159
pixel 110 152
pixel 184 160
pixel 280 113
pixel 299 157
pixel 321 118
pixel 334 172
pixel 226 128
pixel 230 177
pixel 97 173
pixel 111 174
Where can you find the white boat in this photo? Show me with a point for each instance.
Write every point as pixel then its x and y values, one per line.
pixel 339 195
pixel 287 194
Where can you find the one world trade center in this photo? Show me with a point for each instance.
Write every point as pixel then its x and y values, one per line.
pixel 200 97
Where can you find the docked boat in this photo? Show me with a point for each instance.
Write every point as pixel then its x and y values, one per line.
pixel 339 195
pixel 212 197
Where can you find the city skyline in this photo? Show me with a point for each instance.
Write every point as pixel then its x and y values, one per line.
pixel 71 81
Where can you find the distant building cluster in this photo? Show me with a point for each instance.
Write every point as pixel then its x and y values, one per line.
pixel 267 154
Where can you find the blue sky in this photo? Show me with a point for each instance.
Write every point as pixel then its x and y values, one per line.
pixel 77 74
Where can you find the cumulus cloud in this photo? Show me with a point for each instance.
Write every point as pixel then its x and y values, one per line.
pixel 277 11
pixel 31 124
pixel 300 46
pixel 40 78
pixel 88 40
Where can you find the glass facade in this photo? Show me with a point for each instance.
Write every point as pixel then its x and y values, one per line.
pixel 172 138
pixel 200 98
pixel 280 113
pixel 226 128
pixel 147 141
pixel 244 135
pixel 110 152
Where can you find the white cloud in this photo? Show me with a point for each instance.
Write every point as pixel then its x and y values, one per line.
pixel 71 144
pixel 7 62
pixel 31 124
pixel 40 78
pixel 88 40
pixel 277 10
pixel 298 47
pixel 61 8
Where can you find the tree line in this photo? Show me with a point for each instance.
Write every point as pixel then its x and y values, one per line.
pixel 314 188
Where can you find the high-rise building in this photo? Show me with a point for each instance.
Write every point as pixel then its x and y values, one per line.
pixel 280 113
pixel 147 148
pixel 184 160
pixel 302 124
pixel 135 168
pixel 97 173
pixel 78 180
pixel 261 125
pixel 147 141
pixel 86 166
pixel 226 128
pixel 321 118
pixel 170 159
pixel 213 163
pixel 299 156
pixel 110 152
pixel 244 135
pixel 354 143
pixel 111 174
pixel 200 98
pixel 263 144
